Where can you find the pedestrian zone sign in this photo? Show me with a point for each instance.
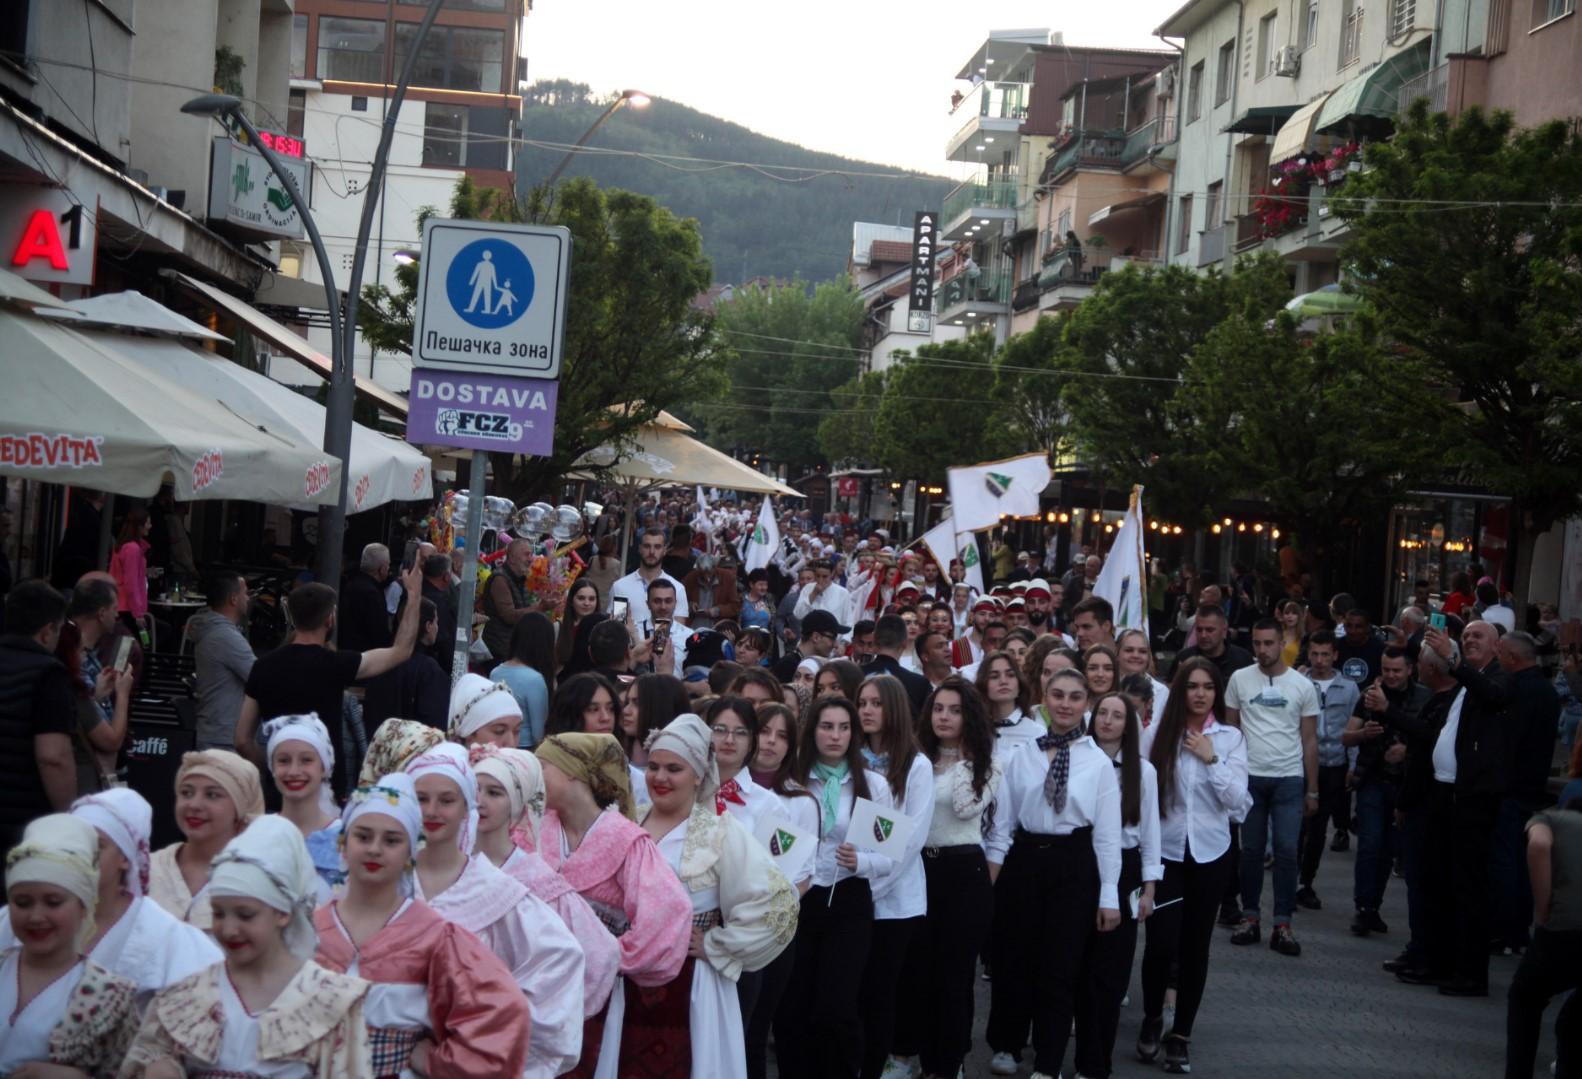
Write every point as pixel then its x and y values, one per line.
pixel 491 298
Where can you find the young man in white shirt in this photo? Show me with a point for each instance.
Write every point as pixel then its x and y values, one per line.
pixel 1277 710
pixel 823 594
pixel 633 588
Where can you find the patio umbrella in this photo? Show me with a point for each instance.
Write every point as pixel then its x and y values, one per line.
pixel 1329 300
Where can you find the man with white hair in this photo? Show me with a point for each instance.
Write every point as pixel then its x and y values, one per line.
pixel 362 615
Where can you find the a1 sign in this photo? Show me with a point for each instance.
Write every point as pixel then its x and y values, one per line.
pixel 492 298
pixel 47 237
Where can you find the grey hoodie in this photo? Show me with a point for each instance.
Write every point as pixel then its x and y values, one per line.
pixel 224 660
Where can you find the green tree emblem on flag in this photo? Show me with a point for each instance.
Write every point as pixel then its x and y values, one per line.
pixel 969 555
pixel 781 842
pixel 997 483
pixel 759 535
pixel 882 827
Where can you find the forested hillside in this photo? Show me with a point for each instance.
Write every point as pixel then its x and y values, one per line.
pixel 752 225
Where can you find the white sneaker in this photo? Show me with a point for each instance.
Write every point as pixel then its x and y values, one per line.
pixel 895 1068
pixel 1169 1013
pixel 1126 1001
pixel 1003 1064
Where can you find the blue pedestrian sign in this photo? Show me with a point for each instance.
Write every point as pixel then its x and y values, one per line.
pixel 491 298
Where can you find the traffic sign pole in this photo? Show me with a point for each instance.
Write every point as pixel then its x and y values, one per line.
pixel 469 566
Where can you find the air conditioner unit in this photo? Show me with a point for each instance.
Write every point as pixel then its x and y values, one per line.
pixel 1287 62
pixel 1165 83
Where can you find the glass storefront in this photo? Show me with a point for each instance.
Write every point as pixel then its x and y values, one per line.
pixel 1434 539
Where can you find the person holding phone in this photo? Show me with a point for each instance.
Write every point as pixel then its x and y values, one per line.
pixel 665 637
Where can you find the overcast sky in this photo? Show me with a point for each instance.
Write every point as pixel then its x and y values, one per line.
pixel 870 79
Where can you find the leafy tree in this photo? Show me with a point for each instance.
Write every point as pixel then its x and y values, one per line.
pixel 632 337
pixel 1465 238
pixel 846 434
pixel 921 426
pixel 1130 343
pixel 789 346
pixel 1028 390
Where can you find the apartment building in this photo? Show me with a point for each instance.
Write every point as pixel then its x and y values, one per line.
pixel 880 268
pixel 1519 55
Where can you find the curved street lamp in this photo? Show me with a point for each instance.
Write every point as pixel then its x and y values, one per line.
pixel 635 98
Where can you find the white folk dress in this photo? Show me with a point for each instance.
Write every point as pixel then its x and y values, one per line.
pixel 58 1026
pixel 168 888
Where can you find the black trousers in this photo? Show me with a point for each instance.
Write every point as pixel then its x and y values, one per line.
pixel 818 1027
pixel 1181 934
pixel 1052 899
pixel 1334 802
pixel 1551 965
pixel 1106 971
pixel 934 1018
pixel 1460 845
pixel 892 942
pixel 772 981
pixel 1232 891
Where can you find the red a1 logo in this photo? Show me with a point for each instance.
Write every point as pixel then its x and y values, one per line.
pixel 50 237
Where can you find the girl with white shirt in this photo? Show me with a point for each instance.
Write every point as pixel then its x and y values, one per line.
pixel 999 681
pixel 900 898
pixel 1107 967
pixel 1057 833
pixel 1137 657
pixel 818 1028
pixel 1202 775
pixel 936 1013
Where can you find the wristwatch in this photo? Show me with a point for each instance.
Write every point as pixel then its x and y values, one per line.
pixel 1213 760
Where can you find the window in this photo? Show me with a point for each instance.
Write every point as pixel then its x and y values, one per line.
pixel 453 57
pixel 1211 204
pixel 1195 92
pixel 1403 14
pixel 1310 26
pixel 1184 226
pixel 1350 32
pixel 1546 11
pixel 296 112
pixel 1063 226
pixel 351 49
pixel 463 136
pixel 299 46
pixel 1068 112
pixel 1268 46
pixel 1225 73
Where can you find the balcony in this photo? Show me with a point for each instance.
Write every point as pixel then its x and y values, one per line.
pixel 1064 283
pixel 1026 295
pixel 351 65
pixel 1211 245
pixel 974 205
pixel 964 299
pixel 992 113
pixel 1432 84
pixel 1155 139
pixel 1087 149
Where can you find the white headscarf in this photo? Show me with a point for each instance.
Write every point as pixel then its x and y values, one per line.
pixel 450 760
pixel 309 730
pixel 476 702
pixel 61 851
pixel 127 820
pixel 269 862
pixel 393 796
pixel 689 738
pixel 519 772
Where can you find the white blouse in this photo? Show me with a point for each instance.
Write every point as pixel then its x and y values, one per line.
pixel 757 801
pixel 958 810
pixel 1015 733
pixel 24 1034
pixel 1093 799
pixel 803 812
pixel 903 892
pixel 239 1048
pixel 1145 833
pixel 1197 814
pixel 870 865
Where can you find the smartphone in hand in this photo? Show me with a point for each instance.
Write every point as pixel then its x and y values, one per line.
pixel 123 655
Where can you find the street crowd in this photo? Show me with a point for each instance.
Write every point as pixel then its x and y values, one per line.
pixel 693 819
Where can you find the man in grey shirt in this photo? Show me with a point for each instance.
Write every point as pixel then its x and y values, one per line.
pixel 224 660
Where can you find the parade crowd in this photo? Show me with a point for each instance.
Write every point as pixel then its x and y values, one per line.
pixel 586 857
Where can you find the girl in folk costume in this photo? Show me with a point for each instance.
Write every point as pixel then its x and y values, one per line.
pixel 957 739
pixel 61 1015
pixel 818 1028
pixel 511 799
pixel 900 897
pixel 1107 967
pixel 217 795
pixel 482 711
pixel 393 744
pixel 133 936
pixel 268 1009
pixel 301 761
pixel 467 889
pixel 588 837
pixel 1057 832
pixel 743 914
pixel 999 682
pixel 441 1005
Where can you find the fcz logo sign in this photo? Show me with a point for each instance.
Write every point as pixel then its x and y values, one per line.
pixel 491 425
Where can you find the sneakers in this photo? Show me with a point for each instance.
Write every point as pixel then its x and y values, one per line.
pixel 899 1069
pixel 1308 899
pixel 1342 841
pixel 1368 921
pixel 1177 1060
pixel 1002 1064
pixel 1404 961
pixel 1247 932
pixel 1148 1038
pixel 1229 914
pixel 1282 940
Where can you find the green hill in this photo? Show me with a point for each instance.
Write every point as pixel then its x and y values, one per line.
pixel 752 226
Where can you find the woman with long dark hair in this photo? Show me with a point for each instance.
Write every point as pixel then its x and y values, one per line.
pixel 999 682
pixel 582 599
pixel 1202 772
pixel 1100 666
pixel 530 673
pixel 818 1027
pixel 581 646
pixel 649 703
pixel 1057 832
pixel 935 1016
pixel 838 676
pixel 584 704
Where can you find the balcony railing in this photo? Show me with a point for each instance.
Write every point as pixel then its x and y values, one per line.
pixel 1159 131
pixel 1249 233
pixel 351 65
pixel 995 100
pixel 1026 295
pixel 996 194
pixel 1088 148
pixel 992 288
pixel 1432 84
pixel 1211 245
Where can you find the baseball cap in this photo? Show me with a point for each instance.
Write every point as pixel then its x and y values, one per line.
pixel 822 622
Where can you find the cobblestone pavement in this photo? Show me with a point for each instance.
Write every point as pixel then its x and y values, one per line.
pixel 1330 1012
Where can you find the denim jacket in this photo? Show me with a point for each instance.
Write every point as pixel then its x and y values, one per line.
pixel 1335 708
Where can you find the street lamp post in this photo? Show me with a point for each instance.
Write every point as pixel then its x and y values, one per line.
pixel 635 98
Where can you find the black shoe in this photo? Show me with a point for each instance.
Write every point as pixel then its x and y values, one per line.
pixel 1460 987
pixel 1282 940
pixel 1308 899
pixel 1398 964
pixel 1229 915
pixel 1247 932
pixel 1368 921
pixel 1148 1038
pixel 1177 1060
pixel 1342 841
pixel 1419 976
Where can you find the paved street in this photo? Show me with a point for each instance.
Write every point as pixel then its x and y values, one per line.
pixel 1331 1012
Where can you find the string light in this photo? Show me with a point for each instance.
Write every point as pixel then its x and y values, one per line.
pixel 1242 527
pixel 1216 528
pixel 1258 527
pixel 1275 534
pixel 1065 518
pixel 1176 530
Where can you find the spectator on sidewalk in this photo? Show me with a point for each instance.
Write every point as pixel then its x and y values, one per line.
pixel 37 711
pixel 363 616
pixel 1337 702
pixel 223 659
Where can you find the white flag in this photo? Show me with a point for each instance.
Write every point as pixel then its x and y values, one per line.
pixel 763 542
pixel 981 494
pixel 1124 579
pixel 967 551
pixel 945 544
pixel 701 522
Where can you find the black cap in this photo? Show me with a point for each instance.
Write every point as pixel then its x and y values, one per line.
pixel 705 648
pixel 822 622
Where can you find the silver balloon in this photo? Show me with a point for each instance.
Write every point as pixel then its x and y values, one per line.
pixel 568 524
pixel 532 522
pixel 497 512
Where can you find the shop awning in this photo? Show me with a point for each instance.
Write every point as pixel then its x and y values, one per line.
pixel 1374 96
pixel 1104 213
pixel 382 469
pixel 1296 135
pixel 77 410
pixel 288 342
pixel 665 455
pixel 1261 119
